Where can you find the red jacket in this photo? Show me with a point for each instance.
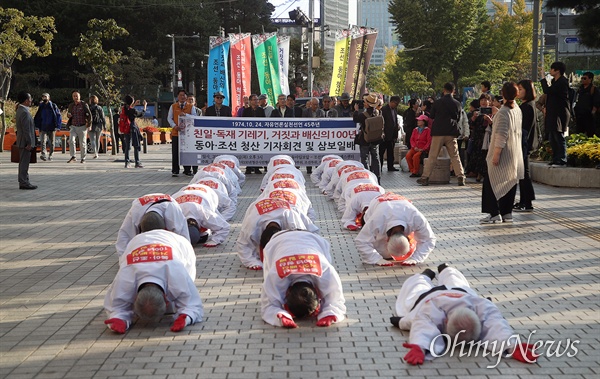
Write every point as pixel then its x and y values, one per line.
pixel 421 140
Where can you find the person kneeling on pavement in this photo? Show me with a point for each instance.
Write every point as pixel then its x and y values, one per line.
pixel 448 314
pixel 156 271
pixel 299 280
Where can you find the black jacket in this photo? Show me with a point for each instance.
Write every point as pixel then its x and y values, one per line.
pixel 258 112
pixel 289 113
pixel 557 104
pixel 445 114
pixel 225 111
pixel 390 128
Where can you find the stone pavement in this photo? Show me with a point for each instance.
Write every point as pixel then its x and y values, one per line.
pixel 57 259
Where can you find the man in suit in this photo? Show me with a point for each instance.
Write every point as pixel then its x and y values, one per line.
pixel 390 118
pixel 25 139
pixel 218 109
pixel 282 110
pixel 253 111
pixel 291 103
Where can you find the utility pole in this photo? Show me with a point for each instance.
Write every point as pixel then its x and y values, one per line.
pixel 311 28
pixel 536 41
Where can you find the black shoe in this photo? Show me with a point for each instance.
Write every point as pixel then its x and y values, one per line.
pixel 248 171
pixel 27 187
pixel 175 174
pixel 309 170
pixel 395 321
pixel 429 273
pixel 393 169
pixel 414 176
pixel 257 171
pixel 442 267
pixel 188 173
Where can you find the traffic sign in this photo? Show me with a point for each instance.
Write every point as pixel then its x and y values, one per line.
pixel 572 40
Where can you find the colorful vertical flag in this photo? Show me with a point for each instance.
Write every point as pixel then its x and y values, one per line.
pixel 218 77
pixel 283 49
pixel 340 62
pixel 267 64
pixel 241 53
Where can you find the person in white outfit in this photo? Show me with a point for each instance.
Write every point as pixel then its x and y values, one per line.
pixel 340 169
pixel 160 203
pixel 234 164
pixel 228 178
pixel 283 171
pixel 157 269
pixel 315 177
pixel 299 281
pixel 199 206
pixel 280 159
pixel 290 190
pixel 342 191
pixel 267 216
pixel 453 311
pixel 391 225
pixel 360 196
pixel 226 206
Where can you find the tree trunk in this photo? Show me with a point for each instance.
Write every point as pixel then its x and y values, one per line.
pixel 3 116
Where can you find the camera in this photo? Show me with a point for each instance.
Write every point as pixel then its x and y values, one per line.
pixel 485 110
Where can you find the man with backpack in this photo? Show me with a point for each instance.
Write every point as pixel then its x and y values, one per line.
pixel 588 101
pixel 48 120
pixel 98 124
pixel 370 134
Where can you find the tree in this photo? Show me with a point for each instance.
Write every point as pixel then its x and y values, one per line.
pixel 587 22
pixel 20 37
pixel 299 64
pixel 395 78
pixel 90 52
pixel 435 32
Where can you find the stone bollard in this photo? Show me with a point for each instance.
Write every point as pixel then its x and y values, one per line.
pixel 64 144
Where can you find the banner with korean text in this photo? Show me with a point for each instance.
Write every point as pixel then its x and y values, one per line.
pixel 367 50
pixel 255 140
pixel 267 64
pixel 355 56
pixel 283 50
pixel 340 62
pixel 218 76
pixel 241 53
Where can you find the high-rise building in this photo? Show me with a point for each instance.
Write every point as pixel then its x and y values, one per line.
pixel 375 14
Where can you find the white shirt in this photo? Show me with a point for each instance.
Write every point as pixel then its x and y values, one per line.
pixel 328 170
pixel 295 196
pixel 160 203
pixel 170 118
pixel 428 318
pixel 159 257
pixel 279 274
pixel 259 214
pixel 342 194
pixel 198 204
pixel 218 173
pixel 279 159
pixel 383 215
pixel 315 177
pixel 283 171
pixel 340 168
pixel 233 164
pixel 360 195
pixel 226 206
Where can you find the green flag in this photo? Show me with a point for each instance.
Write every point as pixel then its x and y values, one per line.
pixel 267 65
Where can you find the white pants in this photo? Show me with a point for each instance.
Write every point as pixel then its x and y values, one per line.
pixel 81 133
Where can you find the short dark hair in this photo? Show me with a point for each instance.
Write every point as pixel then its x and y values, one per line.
pixel 560 66
pixel 589 75
pixel 486 84
pixel 427 105
pixel 74 91
pixel 152 221
pixel 269 231
pixel 128 99
pixel 529 90
pixel 485 96
pixel 301 299
pixel 252 96
pixel 290 96
pixel 449 87
pixel 395 99
pixel 23 97
pixel 180 91
pixel 474 103
pixel 412 102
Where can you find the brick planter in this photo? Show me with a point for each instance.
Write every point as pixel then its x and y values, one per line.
pixel 165 137
pixel 153 138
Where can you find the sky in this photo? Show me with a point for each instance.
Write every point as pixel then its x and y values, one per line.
pixel 282 7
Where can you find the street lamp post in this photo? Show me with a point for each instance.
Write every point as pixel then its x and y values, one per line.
pixel 172 37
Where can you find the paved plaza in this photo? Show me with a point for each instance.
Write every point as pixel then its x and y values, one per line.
pixel 58 257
